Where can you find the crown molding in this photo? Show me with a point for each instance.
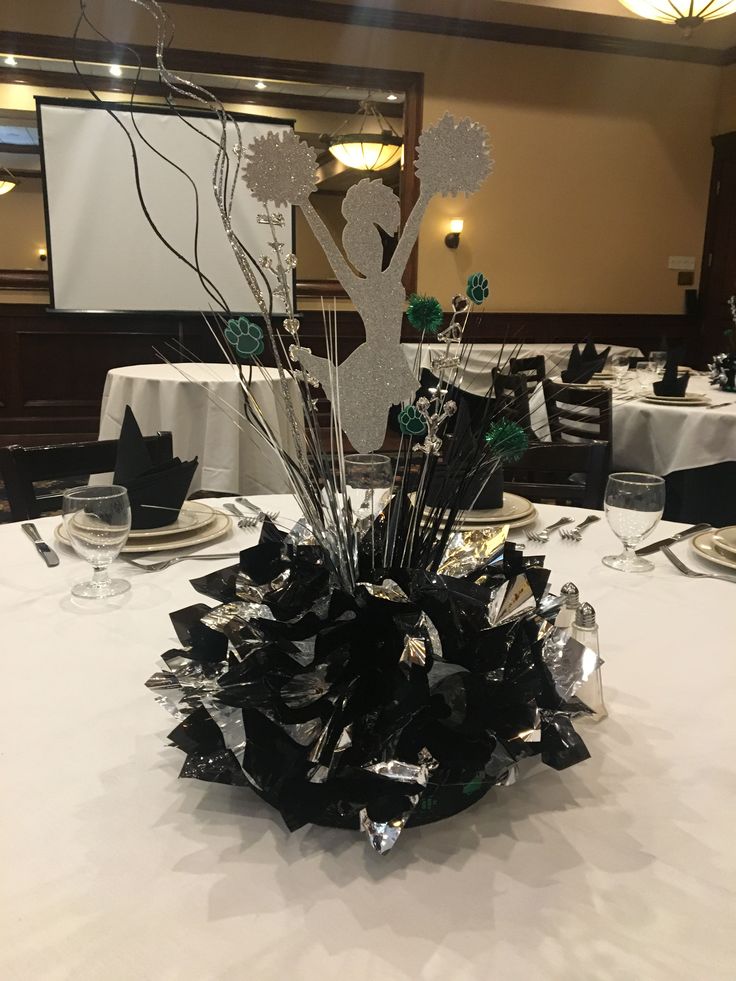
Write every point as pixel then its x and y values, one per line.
pixel 361 15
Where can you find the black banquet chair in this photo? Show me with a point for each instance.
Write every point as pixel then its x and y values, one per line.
pixel 533 368
pixel 22 467
pixel 561 473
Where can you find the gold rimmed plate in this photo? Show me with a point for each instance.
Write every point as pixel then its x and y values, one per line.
pixel 685 399
pixel 724 540
pixel 217 527
pixel 705 546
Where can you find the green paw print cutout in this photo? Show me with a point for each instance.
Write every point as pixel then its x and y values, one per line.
pixel 245 337
pixel 477 289
pixel 411 421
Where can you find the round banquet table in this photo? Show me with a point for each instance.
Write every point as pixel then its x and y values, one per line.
pixel 188 402
pixel 622 867
pixel 693 447
pixel 482 357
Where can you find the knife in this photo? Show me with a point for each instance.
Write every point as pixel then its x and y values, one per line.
pixel 47 554
pixel 655 546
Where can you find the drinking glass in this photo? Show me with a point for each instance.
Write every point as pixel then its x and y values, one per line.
pixel 619 367
pixel 645 371
pixel 368 477
pixel 97 522
pixel 659 359
pixel 634 504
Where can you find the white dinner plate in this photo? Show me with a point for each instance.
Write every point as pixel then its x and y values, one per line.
pixel 193 515
pixel 217 527
pixel 686 399
pixel 514 507
pixel 522 522
pixel 724 540
pixel 704 545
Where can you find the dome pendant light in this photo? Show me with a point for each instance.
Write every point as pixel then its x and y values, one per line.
pixel 363 148
pixel 687 14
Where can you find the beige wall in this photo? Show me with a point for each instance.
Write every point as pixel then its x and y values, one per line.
pixel 602 161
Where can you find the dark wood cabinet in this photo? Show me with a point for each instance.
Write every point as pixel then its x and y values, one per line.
pixel 718 278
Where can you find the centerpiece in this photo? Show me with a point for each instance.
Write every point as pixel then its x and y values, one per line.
pixel 374 666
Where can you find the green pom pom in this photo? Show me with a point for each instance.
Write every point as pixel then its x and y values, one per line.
pixel 424 313
pixel 245 337
pixel 411 421
pixel 477 288
pixel 507 440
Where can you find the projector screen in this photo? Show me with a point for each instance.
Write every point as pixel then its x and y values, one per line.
pixel 103 254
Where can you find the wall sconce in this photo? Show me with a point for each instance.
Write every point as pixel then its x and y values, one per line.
pixel 452 240
pixel 43 255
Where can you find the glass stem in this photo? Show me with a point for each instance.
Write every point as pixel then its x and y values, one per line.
pixel 100 576
pixel 629 556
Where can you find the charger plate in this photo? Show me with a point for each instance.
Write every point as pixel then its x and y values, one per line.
pixel 218 526
pixel 705 547
pixel 691 399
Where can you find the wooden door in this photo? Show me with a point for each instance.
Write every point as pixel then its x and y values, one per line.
pixel 718 277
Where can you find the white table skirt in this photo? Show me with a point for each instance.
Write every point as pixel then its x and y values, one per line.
pixel 622 867
pixel 230 459
pixel 481 358
pixel 663 439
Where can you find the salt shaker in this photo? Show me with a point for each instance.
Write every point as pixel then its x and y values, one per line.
pixel 566 616
pixel 585 630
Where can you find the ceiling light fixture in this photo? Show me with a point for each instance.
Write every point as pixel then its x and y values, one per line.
pixel 364 148
pixel 116 70
pixel 687 14
pixel 261 85
pixel 392 97
pixel 7 183
pixel 10 61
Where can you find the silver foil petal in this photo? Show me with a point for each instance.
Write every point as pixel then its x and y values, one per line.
pixel 468 551
pixel 383 835
pixel 387 590
pixel 568 661
pixel 414 652
pixel 511 600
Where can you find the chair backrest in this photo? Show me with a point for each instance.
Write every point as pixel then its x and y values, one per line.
pixel 578 412
pixel 544 473
pixel 21 467
pixel 512 399
pixel 533 368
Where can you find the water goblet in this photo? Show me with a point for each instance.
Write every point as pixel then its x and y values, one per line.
pixel 619 367
pixel 659 359
pixel 97 523
pixel 634 504
pixel 644 372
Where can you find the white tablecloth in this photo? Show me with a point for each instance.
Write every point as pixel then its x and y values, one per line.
pixel 663 439
pixel 619 868
pixel 481 358
pixel 230 459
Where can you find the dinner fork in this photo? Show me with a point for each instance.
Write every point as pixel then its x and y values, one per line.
pixel 165 563
pixel 244 520
pixel 244 502
pixel 691 573
pixel 543 535
pixel 574 534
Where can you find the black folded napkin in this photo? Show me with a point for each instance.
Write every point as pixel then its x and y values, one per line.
pixel 481 491
pixel 582 366
pixel 673 385
pixel 156 490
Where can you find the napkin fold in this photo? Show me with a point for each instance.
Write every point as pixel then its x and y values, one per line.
pixel 672 384
pixel 582 365
pixel 156 490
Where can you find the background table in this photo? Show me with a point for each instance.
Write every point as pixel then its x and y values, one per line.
pixel 622 867
pixel 230 459
pixel 694 448
pixel 483 357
